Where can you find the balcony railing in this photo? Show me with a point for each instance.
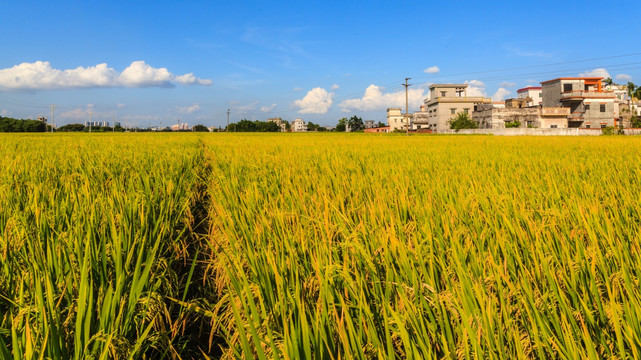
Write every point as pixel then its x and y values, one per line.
pixel 576 116
pixel 581 94
pixel 555 111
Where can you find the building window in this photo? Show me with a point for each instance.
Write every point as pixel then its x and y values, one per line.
pixel 587 126
pixel 465 111
pixel 453 111
pixel 602 126
pixel 567 87
pixel 552 126
pixel 602 107
pixel 587 107
pixel 443 93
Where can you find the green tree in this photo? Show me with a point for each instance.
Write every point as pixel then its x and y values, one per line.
pixel 355 123
pixel 200 128
pixel 635 122
pixel 512 124
pixel 72 127
pixel 381 124
pixel 631 89
pixel 342 124
pixel 608 81
pixel 253 126
pixel 463 121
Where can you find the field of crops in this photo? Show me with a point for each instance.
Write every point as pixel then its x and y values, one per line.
pixel 332 246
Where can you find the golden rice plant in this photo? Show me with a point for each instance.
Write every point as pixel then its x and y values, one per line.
pixel 359 246
pixel 92 233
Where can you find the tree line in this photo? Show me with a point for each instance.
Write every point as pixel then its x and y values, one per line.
pixel 8 124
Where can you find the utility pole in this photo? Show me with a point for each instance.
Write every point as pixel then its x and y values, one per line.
pixel 90 118
pixel 53 108
pixel 407 118
pixel 227 128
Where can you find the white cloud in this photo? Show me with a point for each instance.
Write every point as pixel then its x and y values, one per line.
pixel 317 101
pixel 268 108
pixel 598 72
pixel 243 109
pixel 121 105
pixel 623 77
pixel 139 74
pixel 81 114
pixel 526 53
pixel 432 70
pixel 500 94
pixel 335 87
pixel 75 114
pixel 475 88
pixel 298 89
pixel 40 75
pixel 375 99
pixel 190 79
pixel 189 109
pixel 507 84
pixel 4 113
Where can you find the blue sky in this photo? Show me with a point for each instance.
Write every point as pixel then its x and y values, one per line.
pixel 158 63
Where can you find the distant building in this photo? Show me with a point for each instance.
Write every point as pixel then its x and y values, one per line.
pixel 532 94
pixel 180 127
pixel 42 119
pixel 298 125
pixel 384 129
pixel 397 120
pixel 369 124
pixel 621 100
pixel 445 101
pixel 590 105
pixel 278 121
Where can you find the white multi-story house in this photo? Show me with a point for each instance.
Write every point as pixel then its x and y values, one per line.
pixel 298 125
pixel 534 93
pixel 396 120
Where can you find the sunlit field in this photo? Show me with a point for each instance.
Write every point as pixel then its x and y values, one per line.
pixel 326 246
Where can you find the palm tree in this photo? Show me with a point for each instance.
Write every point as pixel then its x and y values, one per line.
pixel 631 88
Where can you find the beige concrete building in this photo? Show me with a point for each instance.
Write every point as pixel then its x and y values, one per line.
pixel 445 102
pixel 590 105
pixel 279 122
pixel 491 117
pixel 396 120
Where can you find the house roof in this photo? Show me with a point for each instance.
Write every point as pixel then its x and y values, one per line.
pixel 528 88
pixel 573 78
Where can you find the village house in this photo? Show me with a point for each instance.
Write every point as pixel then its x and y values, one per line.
pixel 532 93
pixel 590 105
pixel 396 120
pixel 278 121
pixel 445 101
pixel 298 125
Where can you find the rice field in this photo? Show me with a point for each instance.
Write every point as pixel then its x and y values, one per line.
pixel 325 246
